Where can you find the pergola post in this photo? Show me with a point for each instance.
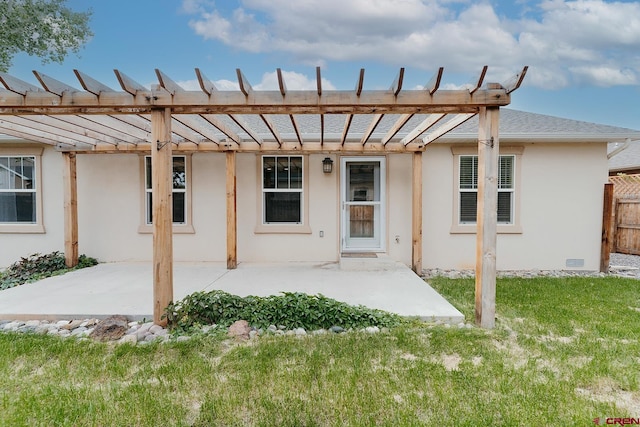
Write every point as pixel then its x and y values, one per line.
pixel 161 190
pixel 416 214
pixel 487 216
pixel 232 234
pixel 70 210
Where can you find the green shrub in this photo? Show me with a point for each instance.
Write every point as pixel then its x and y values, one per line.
pixel 37 266
pixel 290 309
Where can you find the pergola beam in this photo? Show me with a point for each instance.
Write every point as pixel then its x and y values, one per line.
pixel 258 102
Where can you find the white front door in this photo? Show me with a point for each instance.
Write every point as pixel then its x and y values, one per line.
pixel 363 203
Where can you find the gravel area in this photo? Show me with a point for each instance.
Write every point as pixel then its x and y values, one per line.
pixel 627 265
pixel 619 265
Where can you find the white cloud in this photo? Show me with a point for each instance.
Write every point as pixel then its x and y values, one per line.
pixel 219 84
pixel 564 42
pixel 293 81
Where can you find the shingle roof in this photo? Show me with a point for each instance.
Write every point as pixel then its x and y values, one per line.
pixel 515 126
pixel 522 124
pixel 629 158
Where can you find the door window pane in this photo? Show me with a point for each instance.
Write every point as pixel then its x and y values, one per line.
pixel 361 221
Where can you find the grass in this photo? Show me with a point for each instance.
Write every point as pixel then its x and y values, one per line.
pixel 564 352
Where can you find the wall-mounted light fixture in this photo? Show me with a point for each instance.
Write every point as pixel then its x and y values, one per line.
pixel 327 165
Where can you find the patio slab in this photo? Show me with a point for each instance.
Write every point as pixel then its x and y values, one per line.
pixel 126 288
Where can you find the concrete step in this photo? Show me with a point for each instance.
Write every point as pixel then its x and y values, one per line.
pixel 367 261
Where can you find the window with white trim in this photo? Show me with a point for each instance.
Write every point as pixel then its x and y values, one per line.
pixel 179 195
pixel 468 189
pixel 282 190
pixel 18 190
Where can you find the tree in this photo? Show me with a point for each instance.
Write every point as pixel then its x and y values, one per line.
pixel 44 28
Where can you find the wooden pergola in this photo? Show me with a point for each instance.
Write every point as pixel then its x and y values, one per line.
pixel 167 119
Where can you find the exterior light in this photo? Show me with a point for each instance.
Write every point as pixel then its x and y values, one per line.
pixel 327 165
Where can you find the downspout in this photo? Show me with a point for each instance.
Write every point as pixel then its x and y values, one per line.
pixel 620 149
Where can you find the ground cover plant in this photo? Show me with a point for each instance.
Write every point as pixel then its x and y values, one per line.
pixel 289 309
pixel 37 266
pixel 564 352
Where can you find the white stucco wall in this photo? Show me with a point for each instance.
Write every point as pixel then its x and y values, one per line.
pixel 560 207
pixel 298 246
pixel 16 245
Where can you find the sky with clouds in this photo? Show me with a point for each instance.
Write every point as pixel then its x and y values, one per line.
pixel 583 55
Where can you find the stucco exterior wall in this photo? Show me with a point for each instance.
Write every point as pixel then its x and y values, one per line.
pixel 560 210
pixel 16 245
pixel 307 245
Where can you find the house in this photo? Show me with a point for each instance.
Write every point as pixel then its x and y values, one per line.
pixel 624 157
pixel 281 176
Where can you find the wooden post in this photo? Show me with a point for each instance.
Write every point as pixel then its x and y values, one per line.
pixel 487 217
pixel 232 235
pixel 161 188
pixel 416 214
pixel 70 210
pixel 607 223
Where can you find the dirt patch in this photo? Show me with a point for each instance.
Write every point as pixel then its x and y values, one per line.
pixel 607 391
pixel 409 356
pixel 451 361
pixel 555 338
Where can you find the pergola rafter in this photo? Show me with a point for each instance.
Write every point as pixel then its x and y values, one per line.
pixel 167 118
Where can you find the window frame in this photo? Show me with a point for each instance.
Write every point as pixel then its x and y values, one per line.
pixel 513 227
pixel 36 227
pixel 186 227
pixel 262 227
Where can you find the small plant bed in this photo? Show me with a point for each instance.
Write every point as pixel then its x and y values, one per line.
pixel 37 266
pixel 290 310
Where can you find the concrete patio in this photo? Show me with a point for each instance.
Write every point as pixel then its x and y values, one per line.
pixel 126 288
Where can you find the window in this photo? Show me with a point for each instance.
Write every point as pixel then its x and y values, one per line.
pixel 181 195
pixel 282 190
pixel 468 189
pixel 466 186
pixel 18 203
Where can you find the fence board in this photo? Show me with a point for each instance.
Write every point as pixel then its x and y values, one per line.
pixel 627 235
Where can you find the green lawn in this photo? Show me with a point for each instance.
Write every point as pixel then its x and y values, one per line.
pixel 564 352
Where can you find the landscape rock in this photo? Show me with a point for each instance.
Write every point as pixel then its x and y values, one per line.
pixel 131 339
pixel 155 329
pixel 81 330
pixel 110 329
pixel 73 324
pixel 239 330
pixel 336 329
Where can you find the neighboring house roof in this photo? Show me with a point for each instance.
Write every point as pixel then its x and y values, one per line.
pixel 626 160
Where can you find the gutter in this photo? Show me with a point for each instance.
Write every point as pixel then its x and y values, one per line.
pixel 620 149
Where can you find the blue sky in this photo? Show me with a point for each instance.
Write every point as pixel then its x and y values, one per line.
pixel 584 55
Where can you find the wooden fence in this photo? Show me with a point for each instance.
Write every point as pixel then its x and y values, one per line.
pixel 626 214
